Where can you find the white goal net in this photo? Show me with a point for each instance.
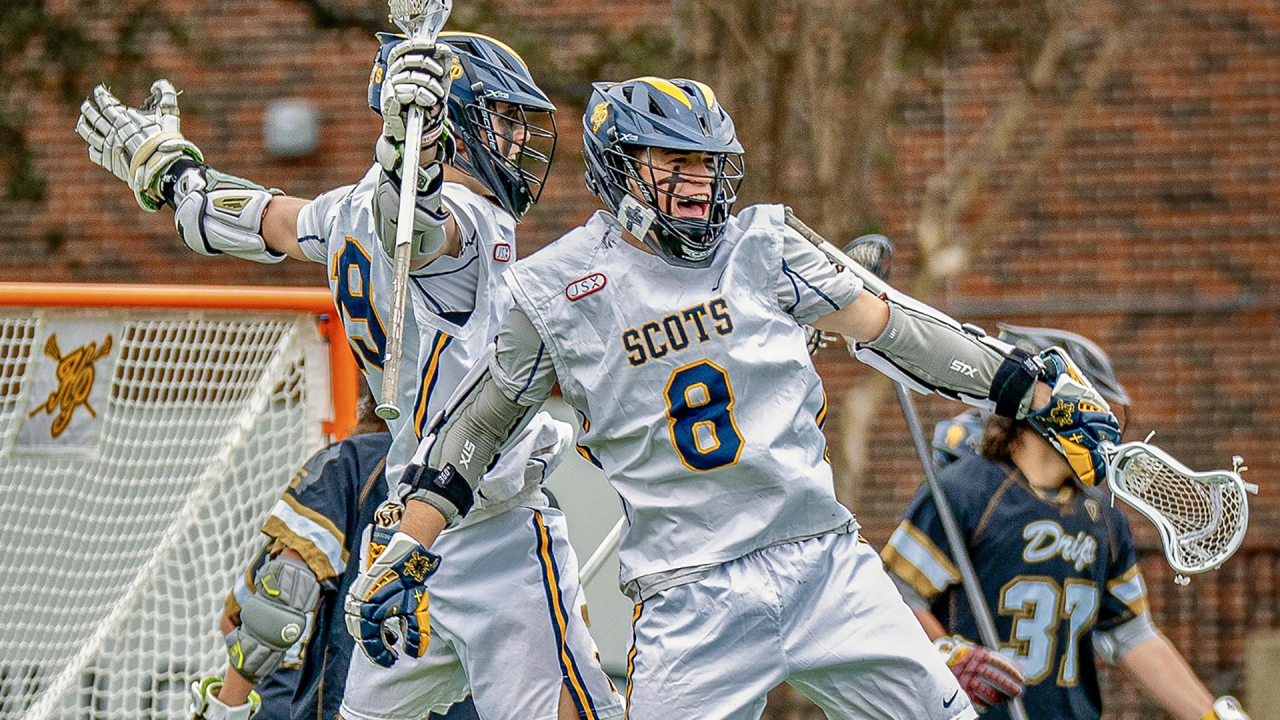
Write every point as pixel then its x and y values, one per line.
pixel 140 451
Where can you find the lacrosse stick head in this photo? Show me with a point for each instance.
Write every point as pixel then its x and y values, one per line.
pixel 419 18
pixel 1201 516
pixel 873 252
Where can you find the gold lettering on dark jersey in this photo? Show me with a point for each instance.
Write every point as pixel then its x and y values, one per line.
pixel 675 332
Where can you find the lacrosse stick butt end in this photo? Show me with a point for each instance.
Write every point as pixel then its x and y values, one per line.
pixel 387 411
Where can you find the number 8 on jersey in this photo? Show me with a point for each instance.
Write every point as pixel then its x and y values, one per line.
pixel 700 410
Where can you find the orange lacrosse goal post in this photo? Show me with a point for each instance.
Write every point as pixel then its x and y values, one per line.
pixel 145 433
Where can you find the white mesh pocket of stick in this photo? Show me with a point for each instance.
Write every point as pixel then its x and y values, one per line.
pixel 1201 516
pixel 413 16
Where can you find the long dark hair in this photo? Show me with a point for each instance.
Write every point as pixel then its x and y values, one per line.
pixel 999 435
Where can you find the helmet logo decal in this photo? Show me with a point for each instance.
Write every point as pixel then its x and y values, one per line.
pixel 599 114
pixel 456 71
pixel 579 289
pixel 635 217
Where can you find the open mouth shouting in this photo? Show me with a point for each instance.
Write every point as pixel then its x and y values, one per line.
pixel 693 207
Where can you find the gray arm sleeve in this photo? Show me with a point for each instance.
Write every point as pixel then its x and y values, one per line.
pixel 1112 645
pixel 495 409
pixel 930 352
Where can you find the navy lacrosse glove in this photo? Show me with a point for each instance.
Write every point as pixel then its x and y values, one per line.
pixel 1077 421
pixel 390 595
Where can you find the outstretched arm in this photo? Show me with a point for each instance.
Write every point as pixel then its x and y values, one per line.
pixel 930 352
pixel 1165 678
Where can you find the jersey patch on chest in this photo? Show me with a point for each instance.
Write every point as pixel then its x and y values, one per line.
pixel 583 287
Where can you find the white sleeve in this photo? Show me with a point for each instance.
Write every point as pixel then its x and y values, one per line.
pixel 809 286
pixel 315 221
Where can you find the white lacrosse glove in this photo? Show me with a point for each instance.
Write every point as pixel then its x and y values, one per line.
pixel 137 145
pixel 419 74
pixel 205 704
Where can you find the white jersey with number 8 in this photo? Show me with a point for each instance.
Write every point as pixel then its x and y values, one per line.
pixel 695 388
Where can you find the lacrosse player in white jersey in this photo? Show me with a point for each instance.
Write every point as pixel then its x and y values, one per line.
pixel 674 329
pixel 510 590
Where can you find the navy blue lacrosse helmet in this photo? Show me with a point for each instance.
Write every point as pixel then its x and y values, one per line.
pixel 623 124
pixel 503 123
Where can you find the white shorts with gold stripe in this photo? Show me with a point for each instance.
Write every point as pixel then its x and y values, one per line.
pixel 818 614
pixel 506 625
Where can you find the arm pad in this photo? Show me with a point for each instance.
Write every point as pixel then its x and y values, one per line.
pixel 466 445
pixel 429 214
pixel 932 353
pixel 502 396
pixel 216 213
pixel 273 618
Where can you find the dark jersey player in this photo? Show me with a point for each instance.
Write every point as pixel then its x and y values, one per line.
pixel 316 527
pixel 1056 562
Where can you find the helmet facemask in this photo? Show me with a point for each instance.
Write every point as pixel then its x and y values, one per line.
pixel 681 239
pixel 508 146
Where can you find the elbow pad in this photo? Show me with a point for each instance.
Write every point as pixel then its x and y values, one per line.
pixel 429 214
pixel 216 213
pixel 1112 645
pixel 932 353
pixel 273 618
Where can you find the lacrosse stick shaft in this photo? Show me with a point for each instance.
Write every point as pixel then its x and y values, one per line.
pixel 420 22
pixel 389 407
pixel 609 544
pixel 950 528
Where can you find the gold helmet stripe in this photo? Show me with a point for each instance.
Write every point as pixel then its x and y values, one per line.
pixel 667 87
pixel 495 41
pixel 707 93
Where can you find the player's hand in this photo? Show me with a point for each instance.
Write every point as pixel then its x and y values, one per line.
pixel 1077 420
pixel 1226 708
pixel 816 339
pixel 389 598
pixel 988 678
pixel 205 704
pixel 136 145
pixel 419 74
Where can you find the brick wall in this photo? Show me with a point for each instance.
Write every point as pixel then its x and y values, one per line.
pixel 1156 231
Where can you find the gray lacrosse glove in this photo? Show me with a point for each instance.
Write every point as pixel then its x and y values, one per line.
pixel 419 74
pixel 136 145
pixel 273 618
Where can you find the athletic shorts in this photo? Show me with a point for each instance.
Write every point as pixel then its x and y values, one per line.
pixel 506 625
pixel 819 614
